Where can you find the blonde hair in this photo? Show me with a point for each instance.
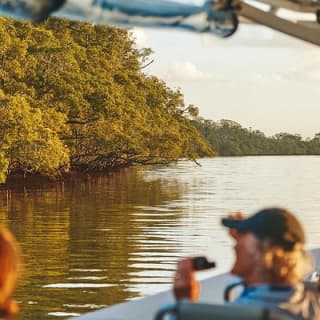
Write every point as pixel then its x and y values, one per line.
pixel 285 266
pixel 9 269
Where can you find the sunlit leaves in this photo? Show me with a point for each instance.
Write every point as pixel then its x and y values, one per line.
pixel 75 95
pixel 30 140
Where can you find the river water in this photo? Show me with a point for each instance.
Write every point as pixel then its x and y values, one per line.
pixel 96 241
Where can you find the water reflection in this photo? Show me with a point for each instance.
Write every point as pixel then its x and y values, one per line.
pixel 84 240
pixel 97 241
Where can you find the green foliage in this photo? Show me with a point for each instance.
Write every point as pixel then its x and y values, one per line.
pixel 74 95
pixel 30 138
pixel 230 139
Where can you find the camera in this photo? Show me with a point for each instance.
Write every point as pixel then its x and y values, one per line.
pixel 202 263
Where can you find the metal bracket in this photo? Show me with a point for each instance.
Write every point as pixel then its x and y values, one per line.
pixel 307 31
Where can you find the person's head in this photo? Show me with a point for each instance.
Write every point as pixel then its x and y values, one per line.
pixel 269 247
pixel 9 267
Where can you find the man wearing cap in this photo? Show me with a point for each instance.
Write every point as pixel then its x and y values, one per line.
pixel 271 261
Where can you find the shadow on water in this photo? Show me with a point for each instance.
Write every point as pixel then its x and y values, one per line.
pixel 85 241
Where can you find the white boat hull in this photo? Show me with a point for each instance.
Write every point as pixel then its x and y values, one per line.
pixel 212 290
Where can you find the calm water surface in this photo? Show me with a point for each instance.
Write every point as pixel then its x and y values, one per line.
pixel 92 243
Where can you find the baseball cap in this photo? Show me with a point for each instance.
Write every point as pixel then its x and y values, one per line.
pixel 278 225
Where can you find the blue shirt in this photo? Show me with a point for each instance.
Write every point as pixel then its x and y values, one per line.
pixel 300 301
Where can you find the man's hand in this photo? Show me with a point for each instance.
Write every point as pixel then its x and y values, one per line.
pixel 185 285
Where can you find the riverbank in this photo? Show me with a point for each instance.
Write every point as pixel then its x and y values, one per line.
pixel 67 102
pixel 15 180
pixel 229 138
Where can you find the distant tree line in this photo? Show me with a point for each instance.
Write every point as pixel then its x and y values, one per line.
pixel 74 95
pixel 229 138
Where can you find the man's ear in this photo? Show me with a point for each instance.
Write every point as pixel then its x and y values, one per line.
pixel 268 259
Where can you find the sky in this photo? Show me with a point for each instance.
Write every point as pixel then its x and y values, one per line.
pixel 259 78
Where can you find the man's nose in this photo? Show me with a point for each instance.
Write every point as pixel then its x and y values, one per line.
pixel 234 234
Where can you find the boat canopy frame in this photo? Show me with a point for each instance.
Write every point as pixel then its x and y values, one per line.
pixel 306 28
pixel 220 17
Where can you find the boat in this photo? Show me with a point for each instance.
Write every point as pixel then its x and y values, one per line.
pixel 146 308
